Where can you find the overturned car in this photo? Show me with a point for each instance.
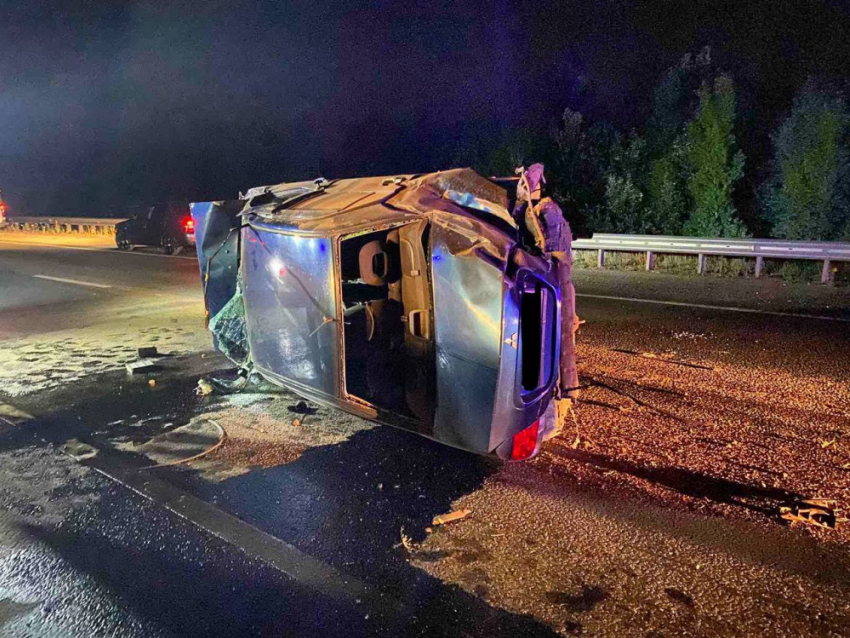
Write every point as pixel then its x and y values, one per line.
pixel 410 300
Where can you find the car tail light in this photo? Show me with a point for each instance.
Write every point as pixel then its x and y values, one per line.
pixel 525 441
pixel 189 225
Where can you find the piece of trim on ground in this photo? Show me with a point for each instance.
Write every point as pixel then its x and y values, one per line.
pixel 12 415
pixel 754 311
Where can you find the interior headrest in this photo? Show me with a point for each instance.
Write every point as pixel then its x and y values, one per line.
pixel 374 263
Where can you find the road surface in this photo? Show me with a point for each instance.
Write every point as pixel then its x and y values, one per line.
pixel 657 515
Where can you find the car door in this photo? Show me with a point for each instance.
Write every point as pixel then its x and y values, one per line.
pixel 154 225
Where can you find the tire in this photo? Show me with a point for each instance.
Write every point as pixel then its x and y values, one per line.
pixel 123 243
pixel 168 244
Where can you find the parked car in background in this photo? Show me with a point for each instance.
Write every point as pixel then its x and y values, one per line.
pixel 408 300
pixel 168 226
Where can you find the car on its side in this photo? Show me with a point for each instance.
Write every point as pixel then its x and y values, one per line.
pixel 408 300
pixel 168 226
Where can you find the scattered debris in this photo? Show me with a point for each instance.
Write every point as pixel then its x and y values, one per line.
pixel 302 408
pixel 457 515
pixel 658 357
pixel 819 512
pixel 229 386
pixel 148 352
pixel 143 365
pixel 159 447
pixel 693 336
pixel 406 541
pixel 152 383
pixel 297 423
pixel 12 413
pixel 826 444
pixel 78 450
pixel 204 388
pixel 577 441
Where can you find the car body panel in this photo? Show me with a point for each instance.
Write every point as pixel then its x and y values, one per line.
pixel 290 306
pixel 217 226
pixel 468 317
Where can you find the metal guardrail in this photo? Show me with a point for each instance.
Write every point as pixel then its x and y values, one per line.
pixel 759 249
pixel 64 224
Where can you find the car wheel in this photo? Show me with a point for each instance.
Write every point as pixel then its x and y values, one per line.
pixel 123 243
pixel 167 244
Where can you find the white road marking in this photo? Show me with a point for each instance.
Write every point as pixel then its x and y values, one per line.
pixel 796 315
pixel 113 251
pixel 72 281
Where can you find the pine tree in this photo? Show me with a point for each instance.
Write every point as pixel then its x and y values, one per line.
pixel 714 164
pixel 807 194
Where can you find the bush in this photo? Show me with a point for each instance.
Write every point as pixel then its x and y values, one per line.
pixel 793 271
pixel 676 264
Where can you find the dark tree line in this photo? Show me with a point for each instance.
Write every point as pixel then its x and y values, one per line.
pixel 682 174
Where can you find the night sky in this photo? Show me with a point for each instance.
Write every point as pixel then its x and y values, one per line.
pixel 107 105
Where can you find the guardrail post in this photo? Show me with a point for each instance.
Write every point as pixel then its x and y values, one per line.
pixel 600 259
pixel 759 266
pixel 650 260
pixel 826 272
pixel 700 264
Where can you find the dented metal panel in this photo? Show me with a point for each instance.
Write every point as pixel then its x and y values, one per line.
pixel 468 314
pixel 290 307
pixel 217 243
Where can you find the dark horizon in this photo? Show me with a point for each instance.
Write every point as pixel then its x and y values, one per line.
pixel 106 108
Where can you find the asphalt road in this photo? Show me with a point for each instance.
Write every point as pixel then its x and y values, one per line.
pixel 322 527
pixel 48 282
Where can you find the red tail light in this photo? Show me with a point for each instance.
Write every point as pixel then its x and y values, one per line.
pixel 189 225
pixel 524 443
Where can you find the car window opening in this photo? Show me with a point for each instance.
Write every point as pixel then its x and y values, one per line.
pixel 387 329
pixel 537 324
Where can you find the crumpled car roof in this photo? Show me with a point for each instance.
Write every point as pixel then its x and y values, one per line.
pixel 350 205
pixel 461 200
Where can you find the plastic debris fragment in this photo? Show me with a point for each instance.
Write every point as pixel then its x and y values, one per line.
pixel 457 515
pixel 818 512
pixel 204 388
